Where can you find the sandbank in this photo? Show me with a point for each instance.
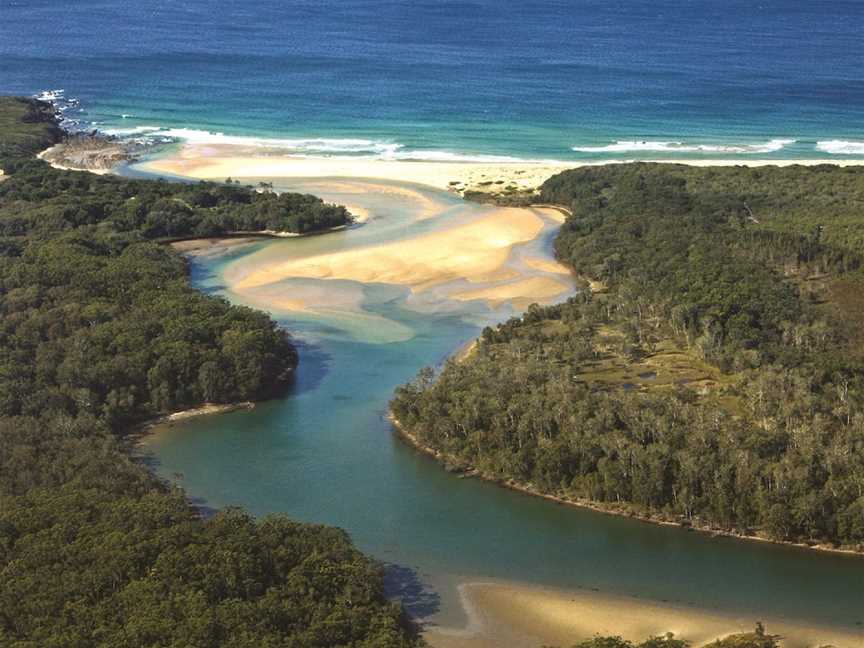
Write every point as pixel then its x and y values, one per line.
pixel 517 615
pixel 475 251
pixel 211 246
pixel 521 293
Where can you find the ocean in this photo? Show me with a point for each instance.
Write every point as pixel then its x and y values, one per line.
pixel 443 80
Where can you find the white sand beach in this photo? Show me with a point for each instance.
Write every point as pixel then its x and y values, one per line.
pixel 221 161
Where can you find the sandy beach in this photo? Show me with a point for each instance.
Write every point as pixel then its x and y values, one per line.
pixel 221 161
pixel 523 616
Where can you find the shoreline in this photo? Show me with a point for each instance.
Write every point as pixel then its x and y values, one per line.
pixel 455 465
pixel 523 615
pixel 496 179
pixel 240 235
pixel 144 428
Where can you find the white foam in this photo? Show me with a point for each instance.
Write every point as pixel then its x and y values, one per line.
pixel 123 132
pixel 449 156
pixel 304 145
pixel 841 147
pixel 317 146
pixel 50 95
pixel 630 146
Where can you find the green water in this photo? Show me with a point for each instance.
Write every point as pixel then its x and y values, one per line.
pixel 326 453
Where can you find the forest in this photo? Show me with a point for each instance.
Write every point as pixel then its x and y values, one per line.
pixel 711 371
pixel 100 331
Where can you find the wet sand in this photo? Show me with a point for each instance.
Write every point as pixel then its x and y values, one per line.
pixel 482 260
pixel 522 616
pixel 475 251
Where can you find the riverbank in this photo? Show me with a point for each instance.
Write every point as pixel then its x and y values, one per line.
pixel 457 465
pixel 525 616
pixel 189 244
pixel 207 409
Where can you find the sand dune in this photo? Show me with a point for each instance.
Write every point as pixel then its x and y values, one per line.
pixel 520 616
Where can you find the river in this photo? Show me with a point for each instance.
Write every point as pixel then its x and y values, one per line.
pixel 326 452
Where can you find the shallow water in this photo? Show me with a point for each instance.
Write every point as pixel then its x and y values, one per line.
pixel 326 453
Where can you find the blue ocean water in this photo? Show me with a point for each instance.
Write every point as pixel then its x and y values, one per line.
pixel 444 79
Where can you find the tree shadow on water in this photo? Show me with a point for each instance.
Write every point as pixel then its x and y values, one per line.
pixel 404 584
pixel 313 366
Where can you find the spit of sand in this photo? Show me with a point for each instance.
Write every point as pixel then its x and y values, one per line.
pixel 521 616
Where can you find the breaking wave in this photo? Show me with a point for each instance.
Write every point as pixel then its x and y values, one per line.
pixel 636 146
pixel 841 147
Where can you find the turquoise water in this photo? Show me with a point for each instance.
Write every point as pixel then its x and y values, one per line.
pixel 438 79
pixel 326 453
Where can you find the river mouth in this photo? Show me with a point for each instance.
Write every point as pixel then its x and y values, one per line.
pixel 367 322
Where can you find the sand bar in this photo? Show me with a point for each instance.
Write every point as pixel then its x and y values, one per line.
pixel 522 616
pixel 476 251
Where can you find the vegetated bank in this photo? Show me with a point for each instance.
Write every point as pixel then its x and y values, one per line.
pixel 99 330
pixel 756 639
pixel 713 377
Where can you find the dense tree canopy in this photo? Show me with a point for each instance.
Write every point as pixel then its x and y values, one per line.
pixel 99 330
pixel 713 376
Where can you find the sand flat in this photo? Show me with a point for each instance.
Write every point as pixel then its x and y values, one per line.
pixel 474 251
pixel 520 293
pixel 546 265
pixel 521 616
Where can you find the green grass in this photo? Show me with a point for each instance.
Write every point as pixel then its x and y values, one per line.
pixel 22 122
